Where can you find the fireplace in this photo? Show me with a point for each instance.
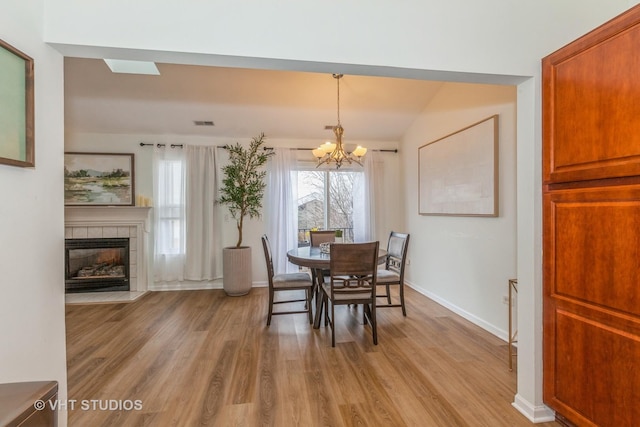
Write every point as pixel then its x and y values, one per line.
pixel 96 265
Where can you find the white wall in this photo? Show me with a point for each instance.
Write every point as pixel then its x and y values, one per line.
pixel 32 334
pixel 391 217
pixel 465 262
pixel 415 35
pixel 490 41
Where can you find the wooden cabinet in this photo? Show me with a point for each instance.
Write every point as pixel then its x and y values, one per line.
pixel 29 404
pixel 592 303
pixel 591 108
pixel 591 226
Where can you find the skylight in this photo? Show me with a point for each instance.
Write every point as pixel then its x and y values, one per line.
pixel 132 67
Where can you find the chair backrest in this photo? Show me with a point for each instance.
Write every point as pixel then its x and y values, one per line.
pixel 354 265
pixel 317 237
pixel 397 252
pixel 267 256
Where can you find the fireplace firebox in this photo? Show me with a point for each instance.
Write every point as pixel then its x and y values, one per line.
pixel 96 265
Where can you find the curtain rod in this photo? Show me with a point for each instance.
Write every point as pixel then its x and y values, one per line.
pixel 145 144
pixel 395 150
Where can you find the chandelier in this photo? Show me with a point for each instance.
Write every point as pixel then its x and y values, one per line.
pixel 330 152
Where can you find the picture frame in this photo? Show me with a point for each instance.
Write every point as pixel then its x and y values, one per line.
pixel 16 107
pixel 458 173
pixel 99 179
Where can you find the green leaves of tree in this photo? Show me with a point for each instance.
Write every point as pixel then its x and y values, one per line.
pixel 243 184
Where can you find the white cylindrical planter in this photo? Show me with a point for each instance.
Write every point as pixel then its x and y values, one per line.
pixel 236 265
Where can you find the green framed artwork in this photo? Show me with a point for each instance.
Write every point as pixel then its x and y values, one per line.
pixel 16 107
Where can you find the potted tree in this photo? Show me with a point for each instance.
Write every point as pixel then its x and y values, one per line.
pixel 242 190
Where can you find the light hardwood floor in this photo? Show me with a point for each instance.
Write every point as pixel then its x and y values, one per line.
pixel 199 358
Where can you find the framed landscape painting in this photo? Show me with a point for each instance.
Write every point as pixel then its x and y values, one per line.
pixel 98 179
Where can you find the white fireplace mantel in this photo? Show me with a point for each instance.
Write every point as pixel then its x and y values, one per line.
pixel 115 221
pixel 107 215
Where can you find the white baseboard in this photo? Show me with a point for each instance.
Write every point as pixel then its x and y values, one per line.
pixel 535 414
pixel 503 335
pixel 186 286
pixel 195 286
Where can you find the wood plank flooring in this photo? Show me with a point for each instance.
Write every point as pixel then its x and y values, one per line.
pixel 200 358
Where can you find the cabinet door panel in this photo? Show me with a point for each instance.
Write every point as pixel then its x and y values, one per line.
pixel 591 107
pixel 592 303
pixel 598 242
pixel 600 380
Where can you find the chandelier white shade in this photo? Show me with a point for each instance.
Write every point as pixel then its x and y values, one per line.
pixel 333 153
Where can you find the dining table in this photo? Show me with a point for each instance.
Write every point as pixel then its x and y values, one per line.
pixel 317 261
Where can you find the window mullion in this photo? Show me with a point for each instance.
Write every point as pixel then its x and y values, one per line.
pixel 327 199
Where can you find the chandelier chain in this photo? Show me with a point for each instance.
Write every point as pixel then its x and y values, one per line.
pixel 339 100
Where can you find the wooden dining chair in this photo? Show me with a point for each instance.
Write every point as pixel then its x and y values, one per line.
pixel 352 280
pixel 323 236
pixel 315 238
pixel 286 282
pixel 393 272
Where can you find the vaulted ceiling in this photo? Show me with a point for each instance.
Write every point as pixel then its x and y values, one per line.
pixel 240 102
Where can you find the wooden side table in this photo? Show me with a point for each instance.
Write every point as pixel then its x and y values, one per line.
pixel 18 405
pixel 513 327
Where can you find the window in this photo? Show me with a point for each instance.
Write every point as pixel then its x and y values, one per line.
pixel 170 208
pixel 325 202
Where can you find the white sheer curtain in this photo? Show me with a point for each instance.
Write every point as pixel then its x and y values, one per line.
pixel 203 242
pixel 281 207
pixel 367 192
pixel 169 214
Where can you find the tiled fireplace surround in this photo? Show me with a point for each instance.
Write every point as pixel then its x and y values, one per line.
pixel 90 222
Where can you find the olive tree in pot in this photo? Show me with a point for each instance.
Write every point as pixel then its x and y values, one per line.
pixel 242 191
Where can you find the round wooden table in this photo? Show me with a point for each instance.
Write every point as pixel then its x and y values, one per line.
pixel 316 260
pixel 312 257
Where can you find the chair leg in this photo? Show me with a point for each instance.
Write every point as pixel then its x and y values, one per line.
pixel 270 307
pixel 333 326
pixel 366 314
pixel 325 304
pixel 313 281
pixel 309 293
pixel 404 310
pixel 388 295
pixel 374 323
pixel 370 315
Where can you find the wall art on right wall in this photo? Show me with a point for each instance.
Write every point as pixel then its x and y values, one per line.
pixel 458 173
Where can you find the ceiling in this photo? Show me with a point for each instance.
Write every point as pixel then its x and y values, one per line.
pixel 241 102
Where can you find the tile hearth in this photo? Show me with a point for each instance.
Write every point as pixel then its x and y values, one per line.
pixel 102 297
